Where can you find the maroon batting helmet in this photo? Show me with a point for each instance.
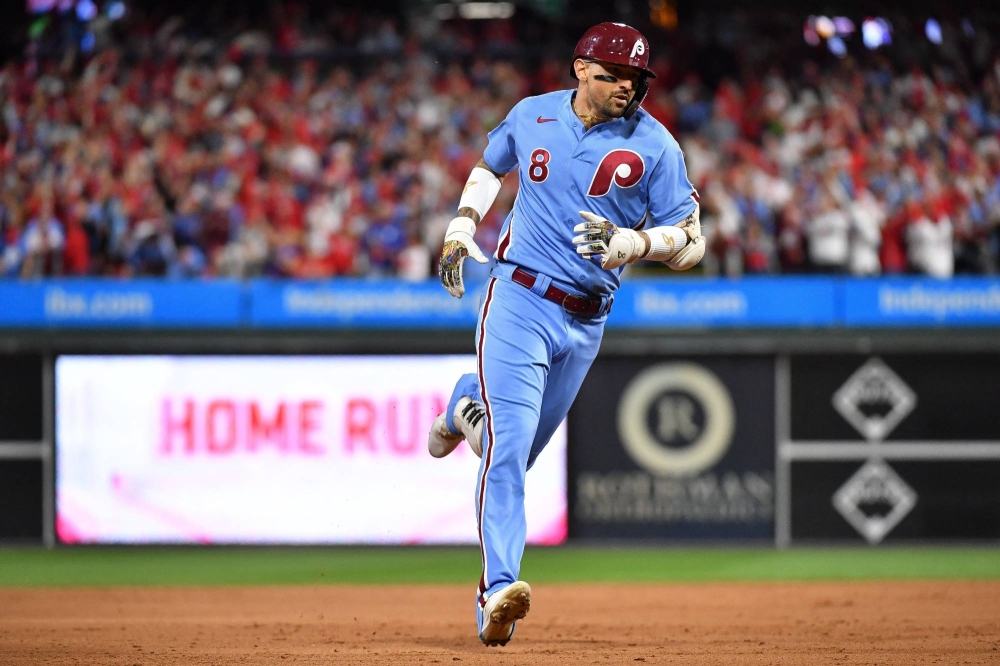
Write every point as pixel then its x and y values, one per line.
pixel 618 44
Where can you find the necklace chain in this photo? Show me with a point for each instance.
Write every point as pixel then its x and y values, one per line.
pixel 588 119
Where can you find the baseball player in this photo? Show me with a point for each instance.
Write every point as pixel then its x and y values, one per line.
pixel 602 185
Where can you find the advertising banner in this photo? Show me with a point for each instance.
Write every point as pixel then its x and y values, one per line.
pixel 894 447
pixel 677 302
pixel 141 303
pixel 205 449
pixel 961 301
pixel 21 498
pixel 21 398
pixel 895 500
pixel 895 397
pixel 718 302
pixel 673 448
pixel 361 303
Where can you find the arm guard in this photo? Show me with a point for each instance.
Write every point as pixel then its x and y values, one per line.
pixel 480 191
pixel 694 250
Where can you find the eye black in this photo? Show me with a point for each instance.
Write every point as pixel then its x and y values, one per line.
pixel 606 78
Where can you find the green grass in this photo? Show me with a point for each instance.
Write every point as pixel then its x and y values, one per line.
pixel 270 566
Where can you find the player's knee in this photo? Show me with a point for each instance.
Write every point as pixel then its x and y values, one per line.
pixel 507 476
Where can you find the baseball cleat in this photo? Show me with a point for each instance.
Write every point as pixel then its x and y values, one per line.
pixel 503 608
pixel 469 416
pixel 440 441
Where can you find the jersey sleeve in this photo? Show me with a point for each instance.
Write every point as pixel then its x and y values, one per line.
pixel 501 153
pixel 671 195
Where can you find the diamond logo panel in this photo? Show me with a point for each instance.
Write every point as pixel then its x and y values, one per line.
pixel 874 400
pixel 874 500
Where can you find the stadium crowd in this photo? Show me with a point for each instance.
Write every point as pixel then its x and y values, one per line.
pixel 166 154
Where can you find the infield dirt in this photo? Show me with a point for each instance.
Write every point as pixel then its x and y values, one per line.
pixel 752 623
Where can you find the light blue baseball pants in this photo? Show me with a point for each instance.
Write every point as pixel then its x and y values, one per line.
pixel 532 358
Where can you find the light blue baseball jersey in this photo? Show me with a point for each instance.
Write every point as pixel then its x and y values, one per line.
pixel 629 171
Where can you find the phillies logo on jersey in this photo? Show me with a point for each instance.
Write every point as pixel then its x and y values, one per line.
pixel 621 167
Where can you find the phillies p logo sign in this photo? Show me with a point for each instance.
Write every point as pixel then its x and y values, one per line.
pixel 638 48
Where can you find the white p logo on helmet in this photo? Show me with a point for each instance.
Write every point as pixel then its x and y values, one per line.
pixel 638 48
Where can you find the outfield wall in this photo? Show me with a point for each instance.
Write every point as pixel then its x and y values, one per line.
pixel 770 435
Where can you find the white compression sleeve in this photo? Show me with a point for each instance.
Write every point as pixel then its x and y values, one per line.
pixel 665 242
pixel 480 191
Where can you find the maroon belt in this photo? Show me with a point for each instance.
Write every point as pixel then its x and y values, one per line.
pixel 571 302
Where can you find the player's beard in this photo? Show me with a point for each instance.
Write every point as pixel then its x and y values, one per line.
pixel 608 107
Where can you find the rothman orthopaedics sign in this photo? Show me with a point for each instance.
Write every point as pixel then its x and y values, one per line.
pixel 198 449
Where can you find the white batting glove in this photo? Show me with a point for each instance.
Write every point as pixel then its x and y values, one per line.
pixel 615 246
pixel 458 244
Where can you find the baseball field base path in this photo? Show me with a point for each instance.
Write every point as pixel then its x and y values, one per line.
pixel 870 623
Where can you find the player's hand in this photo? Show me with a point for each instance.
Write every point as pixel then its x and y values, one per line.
pixel 614 246
pixel 458 244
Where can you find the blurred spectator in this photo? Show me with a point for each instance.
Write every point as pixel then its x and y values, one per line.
pixel 151 250
pixel 42 243
pixel 76 256
pixel 415 261
pixel 828 232
pixel 867 218
pixel 929 238
pixel 759 250
pixel 10 234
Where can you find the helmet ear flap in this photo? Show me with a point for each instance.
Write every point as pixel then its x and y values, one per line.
pixel 641 88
